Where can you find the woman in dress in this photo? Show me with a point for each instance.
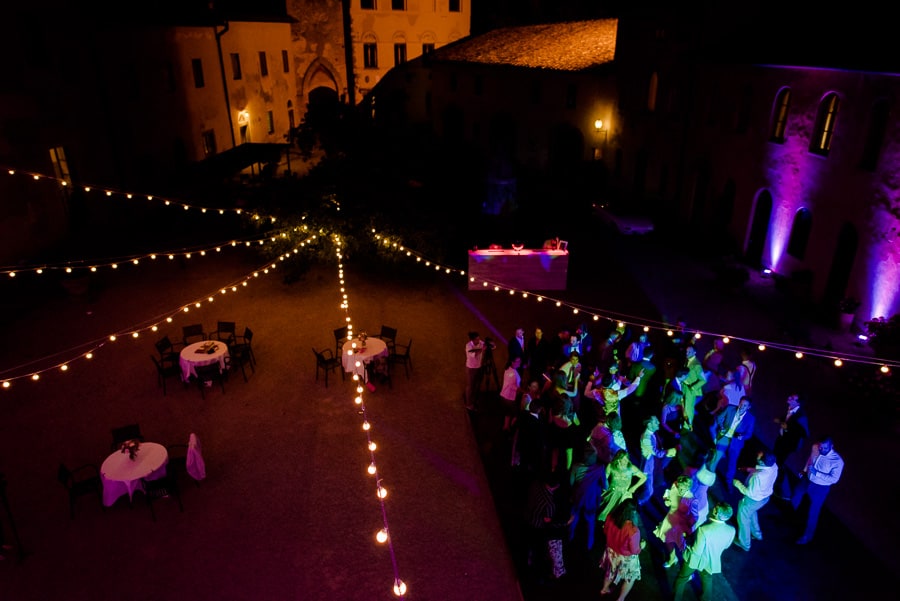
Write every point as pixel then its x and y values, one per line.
pixel 509 392
pixel 679 522
pixel 620 476
pixel 621 560
pixel 671 419
pixel 563 433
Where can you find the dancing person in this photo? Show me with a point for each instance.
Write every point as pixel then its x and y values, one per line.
pixel 621 485
pixel 588 480
pixel 474 355
pixel 509 392
pixel 756 494
pixel 652 456
pixel 705 554
pixel 692 387
pixel 792 431
pixel 732 428
pixel 823 470
pixel 621 560
pixel 679 522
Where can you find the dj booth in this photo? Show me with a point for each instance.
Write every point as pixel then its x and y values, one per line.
pixel 523 269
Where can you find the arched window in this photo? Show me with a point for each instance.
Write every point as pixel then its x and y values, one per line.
pixel 652 91
pixel 875 135
pixel 822 135
pixel 780 115
pixel 800 234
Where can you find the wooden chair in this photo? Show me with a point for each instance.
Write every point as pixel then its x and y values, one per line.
pixel 81 481
pixel 168 352
pixel 389 335
pixel 401 355
pixel 327 362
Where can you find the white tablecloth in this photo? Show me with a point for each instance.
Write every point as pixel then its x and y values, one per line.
pixel 351 354
pixel 120 475
pixel 190 357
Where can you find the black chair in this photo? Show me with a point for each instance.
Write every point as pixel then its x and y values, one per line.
pixel 341 335
pixel 177 459
pixel 193 333
pixel 240 356
pixel 162 488
pixel 165 371
pixel 168 352
pixel 124 433
pixel 224 332
pixel 81 481
pixel 327 362
pixel 244 344
pixel 389 335
pixel 209 373
pixel 400 355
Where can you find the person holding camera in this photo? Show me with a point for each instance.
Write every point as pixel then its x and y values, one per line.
pixel 474 357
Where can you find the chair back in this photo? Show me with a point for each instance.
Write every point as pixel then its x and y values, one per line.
pixel 127 432
pixel 163 345
pixel 64 476
pixel 194 330
pixel 248 335
pixel 388 333
pixel 196 467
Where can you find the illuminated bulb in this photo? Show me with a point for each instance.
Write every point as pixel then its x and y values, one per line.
pixel 524 295
pixel 128 196
pixel 366 425
pixel 153 257
pixel 40 271
pixel 93 269
pixel 838 362
pixel 399 588
pixel 357 400
pixel 12 274
pixel 356 379
pixel 167 203
pixel 575 311
pixel 596 317
pixel 798 354
pixel 885 369
pixel 496 288
pixel 135 261
pixel 108 193
pixel 185 207
pixel 372 446
pixel 197 305
pixel 35 377
pixel 697 335
pixel 234 288
pixel 187 255
pixel 87 188
pixel 558 304
pixel 762 347
pixel 484 284
pixel 114 266
pixel 68 270
pixel 621 324
pixel 372 469
pixel 135 334
pixel 6 384
pixel 112 338
pixel 171 257
pixel 726 340
pixel 540 298
pixel 359 389
pixel 511 292
pixel 154 328
pixel 187 309
pixel 168 320
pixel 646 328
pixel 381 536
pixel 382 492
pixel 64 367
pixel 669 333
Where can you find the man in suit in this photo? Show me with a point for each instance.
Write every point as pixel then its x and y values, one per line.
pixel 793 430
pixel 537 354
pixel 692 388
pixel 705 555
pixel 516 348
pixel 732 428
pixel 823 470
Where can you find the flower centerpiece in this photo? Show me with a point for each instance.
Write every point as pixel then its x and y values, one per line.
pixel 362 339
pixel 131 447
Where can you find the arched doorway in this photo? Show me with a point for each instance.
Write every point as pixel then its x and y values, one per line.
pixel 759 230
pixel 841 266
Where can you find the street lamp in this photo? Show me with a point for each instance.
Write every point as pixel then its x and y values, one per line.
pixel 598 128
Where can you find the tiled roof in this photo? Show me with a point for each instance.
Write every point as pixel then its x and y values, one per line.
pixel 572 46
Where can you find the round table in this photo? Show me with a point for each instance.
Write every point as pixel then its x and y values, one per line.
pixel 121 475
pixel 196 354
pixel 353 352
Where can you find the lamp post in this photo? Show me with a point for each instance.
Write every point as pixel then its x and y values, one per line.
pixel 599 130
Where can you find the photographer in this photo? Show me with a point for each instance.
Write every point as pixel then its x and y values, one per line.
pixel 474 357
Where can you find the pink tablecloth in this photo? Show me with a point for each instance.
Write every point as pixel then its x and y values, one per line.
pixel 120 475
pixel 353 353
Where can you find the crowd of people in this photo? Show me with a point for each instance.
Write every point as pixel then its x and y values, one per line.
pixel 622 442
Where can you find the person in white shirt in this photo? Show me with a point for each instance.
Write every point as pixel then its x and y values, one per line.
pixel 509 393
pixel 756 493
pixel 474 356
pixel 823 469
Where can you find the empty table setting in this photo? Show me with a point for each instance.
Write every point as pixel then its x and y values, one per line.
pixel 363 351
pixel 121 474
pixel 205 352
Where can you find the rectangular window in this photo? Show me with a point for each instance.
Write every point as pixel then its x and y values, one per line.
pixel 454 6
pixel 399 54
pixel 263 64
pixel 197 68
pixel 235 65
pixel 398 4
pixel 209 142
pixel 285 63
pixel 367 4
pixel 427 49
pixel 270 117
pixel 370 56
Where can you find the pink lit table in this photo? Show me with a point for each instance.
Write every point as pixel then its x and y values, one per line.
pixel 520 269
pixel 120 475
